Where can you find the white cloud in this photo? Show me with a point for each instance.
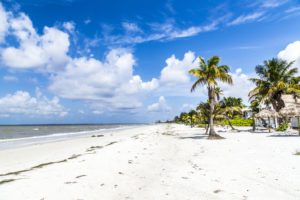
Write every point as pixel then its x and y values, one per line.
pixel 69 26
pixel 131 27
pixel 160 106
pixel 87 21
pixel 293 9
pixel 109 82
pixel 273 3
pixel 97 112
pixel 10 78
pixel 34 50
pixel 22 103
pixel 291 53
pixel 241 85
pixel 157 32
pixel 176 71
pixel 246 18
pixel 3 23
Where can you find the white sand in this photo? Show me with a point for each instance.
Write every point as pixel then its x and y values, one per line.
pixel 146 163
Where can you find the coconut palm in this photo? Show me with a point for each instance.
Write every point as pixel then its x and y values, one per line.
pixel 192 117
pixel 208 74
pixel 275 77
pixel 231 107
pixel 218 92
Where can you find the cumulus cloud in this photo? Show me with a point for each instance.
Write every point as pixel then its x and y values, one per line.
pixel 176 71
pixel 110 81
pixel 160 106
pixel 291 53
pixel 22 103
pixel 102 84
pixel 3 23
pixel 241 85
pixel 34 50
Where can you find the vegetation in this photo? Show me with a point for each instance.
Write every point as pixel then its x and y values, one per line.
pixel 208 74
pixel 231 107
pixel 275 78
pixel 239 122
pixel 297 153
pixel 282 127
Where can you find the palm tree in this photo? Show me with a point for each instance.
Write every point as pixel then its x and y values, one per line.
pixel 231 107
pixel 203 109
pixel 208 74
pixel 218 92
pixel 192 117
pixel 275 78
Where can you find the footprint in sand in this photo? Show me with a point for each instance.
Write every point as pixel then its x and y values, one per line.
pixel 217 191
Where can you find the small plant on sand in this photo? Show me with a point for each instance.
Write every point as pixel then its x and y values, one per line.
pixel 282 127
pixel 297 153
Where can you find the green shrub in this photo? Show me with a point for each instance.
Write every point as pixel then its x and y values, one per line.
pixel 240 122
pixel 201 125
pixel 282 127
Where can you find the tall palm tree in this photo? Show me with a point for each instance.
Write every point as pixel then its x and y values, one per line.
pixel 275 78
pixel 231 107
pixel 208 74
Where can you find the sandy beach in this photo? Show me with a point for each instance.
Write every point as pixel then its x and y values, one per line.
pixel 154 162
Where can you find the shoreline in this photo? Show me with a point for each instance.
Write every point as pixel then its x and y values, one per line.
pixel 55 137
pixel 163 161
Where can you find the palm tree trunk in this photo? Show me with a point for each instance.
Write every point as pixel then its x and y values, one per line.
pixel 230 124
pixel 298 125
pixel 253 125
pixel 206 129
pixel 212 133
pixel 269 124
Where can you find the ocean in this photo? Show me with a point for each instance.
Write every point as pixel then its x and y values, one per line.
pixel 22 135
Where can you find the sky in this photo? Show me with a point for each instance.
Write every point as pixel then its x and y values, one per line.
pixel 75 61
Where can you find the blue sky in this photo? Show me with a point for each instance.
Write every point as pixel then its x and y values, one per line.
pixel 75 61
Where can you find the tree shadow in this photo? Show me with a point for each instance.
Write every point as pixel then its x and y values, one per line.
pixel 194 137
pixel 290 135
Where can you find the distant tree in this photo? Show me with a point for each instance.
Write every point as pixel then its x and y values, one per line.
pixel 192 117
pixel 231 107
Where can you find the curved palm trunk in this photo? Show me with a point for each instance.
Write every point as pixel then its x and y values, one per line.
pixel 211 96
pixel 207 127
pixel 229 122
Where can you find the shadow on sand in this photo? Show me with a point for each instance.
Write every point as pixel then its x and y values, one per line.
pixel 288 135
pixel 194 137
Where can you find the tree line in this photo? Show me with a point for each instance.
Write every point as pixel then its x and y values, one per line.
pixel 275 77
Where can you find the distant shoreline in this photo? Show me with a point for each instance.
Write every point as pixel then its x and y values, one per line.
pixel 8 143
